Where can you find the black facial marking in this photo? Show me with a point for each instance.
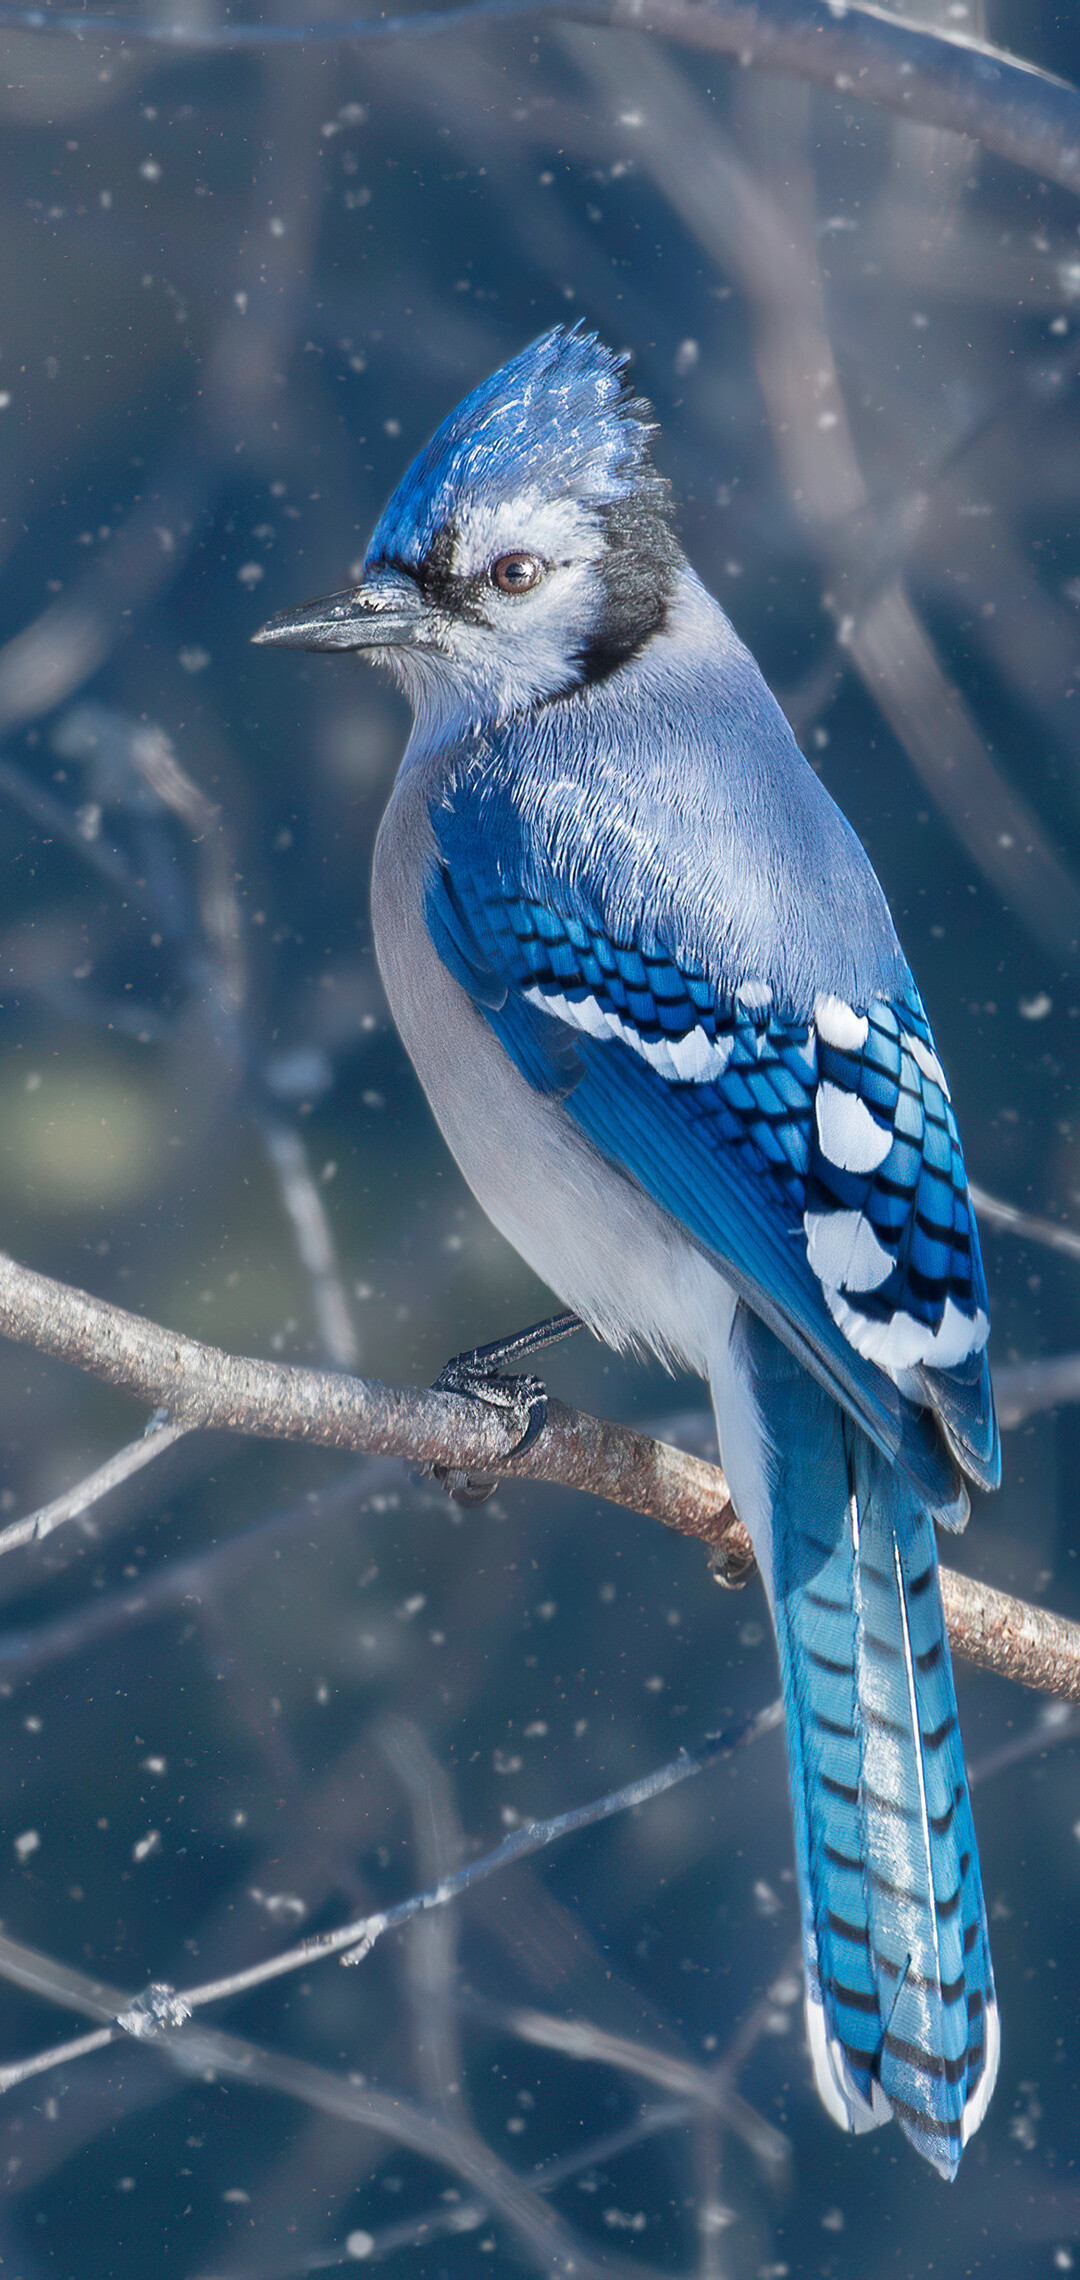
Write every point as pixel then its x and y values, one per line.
pixel 442 587
pixel 638 567
pixel 440 584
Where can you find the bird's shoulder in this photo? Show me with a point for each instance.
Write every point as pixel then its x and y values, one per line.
pixel 672 808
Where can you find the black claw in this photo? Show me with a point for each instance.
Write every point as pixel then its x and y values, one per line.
pixel 534 1396
pixel 464 1488
pixel 522 1401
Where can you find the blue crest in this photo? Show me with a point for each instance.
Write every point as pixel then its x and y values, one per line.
pixel 561 414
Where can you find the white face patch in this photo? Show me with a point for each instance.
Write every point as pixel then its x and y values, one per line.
pixel 695 1058
pixel 525 648
pixel 557 530
pixel 849 1135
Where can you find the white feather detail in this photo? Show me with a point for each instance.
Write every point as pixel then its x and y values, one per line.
pixel 980 2097
pixel 755 996
pixel 844 1251
pixel 807 1053
pixel 698 1058
pixel 843 2102
pixel 656 1051
pixel 850 1136
pixel 695 1058
pixel 869 1770
pixel 926 1060
pixel 838 1024
pixel 901 1343
pixel 583 1013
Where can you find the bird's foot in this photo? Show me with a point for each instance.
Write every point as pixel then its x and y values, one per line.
pixel 522 1400
pixel 731 1564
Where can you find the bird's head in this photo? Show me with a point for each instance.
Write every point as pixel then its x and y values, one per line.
pixel 527 550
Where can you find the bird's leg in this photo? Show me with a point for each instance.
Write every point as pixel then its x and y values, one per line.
pixel 480 1376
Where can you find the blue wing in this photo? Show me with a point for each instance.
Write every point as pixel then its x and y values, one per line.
pixel 814 1154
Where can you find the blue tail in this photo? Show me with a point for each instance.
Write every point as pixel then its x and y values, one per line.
pixel 899 1990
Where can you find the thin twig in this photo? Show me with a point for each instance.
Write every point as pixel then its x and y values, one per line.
pixel 431 1951
pixel 465 2216
pixel 314 1240
pixel 353 1942
pixel 162 2012
pixel 207 2051
pixel 89 1491
pixel 706 2088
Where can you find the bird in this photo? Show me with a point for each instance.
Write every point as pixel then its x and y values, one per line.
pixel 652 990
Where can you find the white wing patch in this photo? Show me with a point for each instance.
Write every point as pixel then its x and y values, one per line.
pixel 926 1060
pixel 902 1344
pixel 842 1247
pixel 844 1251
pixel 698 1058
pixel 849 1135
pixel 695 1058
pixel 837 1024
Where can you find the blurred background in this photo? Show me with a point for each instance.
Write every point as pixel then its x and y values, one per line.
pixel 260 1690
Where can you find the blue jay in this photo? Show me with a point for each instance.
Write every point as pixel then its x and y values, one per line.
pixel 652 990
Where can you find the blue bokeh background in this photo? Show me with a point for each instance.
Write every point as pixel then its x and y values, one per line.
pixel 261 1689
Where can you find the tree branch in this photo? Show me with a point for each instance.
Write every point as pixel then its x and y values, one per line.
pixel 942 79
pixel 203 1389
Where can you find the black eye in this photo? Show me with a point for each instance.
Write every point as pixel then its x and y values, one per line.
pixel 516 573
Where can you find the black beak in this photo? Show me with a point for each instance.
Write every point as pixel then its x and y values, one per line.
pixel 386 611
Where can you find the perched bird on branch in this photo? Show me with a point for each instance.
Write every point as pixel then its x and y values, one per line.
pixel 653 992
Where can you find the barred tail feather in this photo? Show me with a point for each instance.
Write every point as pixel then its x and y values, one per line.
pixel 901 2013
